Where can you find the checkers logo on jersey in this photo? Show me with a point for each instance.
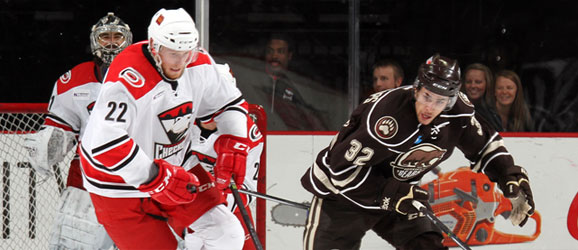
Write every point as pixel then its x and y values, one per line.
pixel 132 77
pixel 65 78
pixel 176 123
pixel 386 127
pixel 254 133
pixel 413 162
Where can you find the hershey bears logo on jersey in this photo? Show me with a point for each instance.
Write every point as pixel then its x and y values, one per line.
pixel 386 127
pixel 420 157
pixel 176 123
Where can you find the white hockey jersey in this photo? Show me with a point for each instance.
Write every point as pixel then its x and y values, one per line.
pixel 73 97
pixel 204 153
pixel 140 116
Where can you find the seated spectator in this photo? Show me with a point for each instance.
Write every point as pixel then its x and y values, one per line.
pixel 387 74
pixel 292 101
pixel 510 103
pixel 478 83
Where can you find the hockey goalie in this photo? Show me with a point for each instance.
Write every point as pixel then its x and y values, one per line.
pixel 73 96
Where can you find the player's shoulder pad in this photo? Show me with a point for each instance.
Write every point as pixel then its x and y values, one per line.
pixel 390 101
pixel 462 108
pixel 203 58
pixel 135 68
pixel 390 114
pixel 79 75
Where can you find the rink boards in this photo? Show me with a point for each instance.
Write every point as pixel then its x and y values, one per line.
pixel 552 164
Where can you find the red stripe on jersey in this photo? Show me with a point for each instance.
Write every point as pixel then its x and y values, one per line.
pixel 134 70
pixel 54 123
pixel 77 76
pixel 90 171
pixel 114 155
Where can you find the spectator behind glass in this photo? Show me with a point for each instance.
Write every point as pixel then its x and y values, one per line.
pixel 478 81
pixel 510 103
pixel 387 74
pixel 292 101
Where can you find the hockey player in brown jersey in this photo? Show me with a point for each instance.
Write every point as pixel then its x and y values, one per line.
pixel 366 178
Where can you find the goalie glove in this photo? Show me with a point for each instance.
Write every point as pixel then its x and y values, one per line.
pixel 173 185
pixel 231 160
pixel 516 187
pixel 47 147
pixel 398 196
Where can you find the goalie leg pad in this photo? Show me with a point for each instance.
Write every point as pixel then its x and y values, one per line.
pixel 75 225
pixel 217 229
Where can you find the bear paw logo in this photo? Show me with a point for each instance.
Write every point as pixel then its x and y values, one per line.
pixel 386 127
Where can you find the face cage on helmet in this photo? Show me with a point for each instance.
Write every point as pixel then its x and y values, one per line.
pixel 107 54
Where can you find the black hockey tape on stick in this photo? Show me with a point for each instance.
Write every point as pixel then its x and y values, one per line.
pixel 273 198
pixel 245 216
pixel 440 224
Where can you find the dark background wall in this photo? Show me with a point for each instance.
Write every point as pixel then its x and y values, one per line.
pixel 40 40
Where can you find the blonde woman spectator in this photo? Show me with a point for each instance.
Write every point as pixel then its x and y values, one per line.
pixel 510 103
pixel 478 83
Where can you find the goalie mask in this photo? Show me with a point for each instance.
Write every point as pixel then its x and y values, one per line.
pixel 440 75
pixel 108 37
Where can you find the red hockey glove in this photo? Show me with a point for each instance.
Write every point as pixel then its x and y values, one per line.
pixel 398 196
pixel 516 187
pixel 172 186
pixel 231 160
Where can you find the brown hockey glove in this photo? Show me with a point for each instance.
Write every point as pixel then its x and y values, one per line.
pixel 172 186
pixel 516 187
pixel 398 196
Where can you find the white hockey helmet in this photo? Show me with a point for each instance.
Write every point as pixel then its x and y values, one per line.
pixel 109 24
pixel 174 29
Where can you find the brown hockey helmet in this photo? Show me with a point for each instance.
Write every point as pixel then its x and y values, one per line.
pixel 440 75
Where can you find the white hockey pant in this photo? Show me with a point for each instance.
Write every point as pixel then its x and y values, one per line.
pixel 217 229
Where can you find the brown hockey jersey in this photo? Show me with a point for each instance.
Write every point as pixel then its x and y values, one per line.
pixel 383 139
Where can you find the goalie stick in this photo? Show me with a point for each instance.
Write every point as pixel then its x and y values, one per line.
pixel 420 207
pixel 245 216
pixel 273 198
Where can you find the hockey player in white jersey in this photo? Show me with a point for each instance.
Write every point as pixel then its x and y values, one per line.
pixel 138 134
pixel 74 94
pixel 204 154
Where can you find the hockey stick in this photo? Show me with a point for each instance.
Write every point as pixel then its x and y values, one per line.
pixel 420 207
pixel 245 216
pixel 273 198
